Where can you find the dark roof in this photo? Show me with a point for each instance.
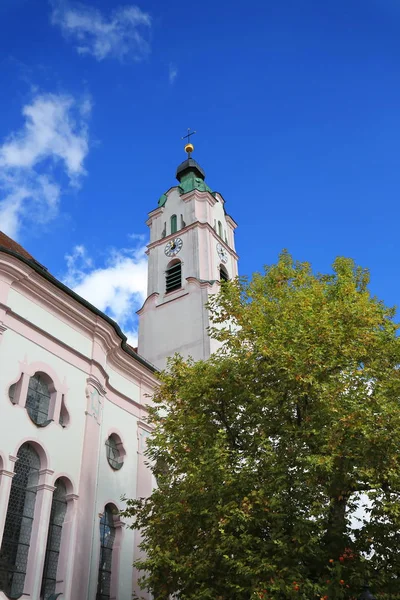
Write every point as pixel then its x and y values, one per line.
pixel 190 165
pixel 12 248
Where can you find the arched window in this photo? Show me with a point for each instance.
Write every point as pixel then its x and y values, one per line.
pixel 107 536
pixel 57 516
pixel 38 399
pixel 18 526
pixel 114 456
pixel 174 224
pixel 223 274
pixel 220 229
pixel 173 276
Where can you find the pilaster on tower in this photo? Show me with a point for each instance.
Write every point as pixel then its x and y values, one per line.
pixel 191 250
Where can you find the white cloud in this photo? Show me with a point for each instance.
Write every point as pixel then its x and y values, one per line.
pixel 172 73
pixel 54 134
pixel 118 287
pixel 124 34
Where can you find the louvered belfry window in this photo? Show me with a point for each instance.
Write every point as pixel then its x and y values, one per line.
pixel 223 274
pixel 107 537
pixel 19 519
pixel 57 516
pixel 173 277
pixel 38 400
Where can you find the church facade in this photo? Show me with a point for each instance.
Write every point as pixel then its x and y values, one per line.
pixel 74 397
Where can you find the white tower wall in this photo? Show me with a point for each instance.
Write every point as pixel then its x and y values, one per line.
pixel 177 321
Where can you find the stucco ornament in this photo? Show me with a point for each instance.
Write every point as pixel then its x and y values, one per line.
pixel 94 393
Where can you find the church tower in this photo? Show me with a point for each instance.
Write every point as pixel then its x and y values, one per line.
pixel 191 251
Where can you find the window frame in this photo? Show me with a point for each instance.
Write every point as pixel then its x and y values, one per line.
pixel 40 379
pixel 18 392
pixel 26 500
pixel 106 520
pixel 174 224
pixel 173 276
pixel 55 549
pixel 115 463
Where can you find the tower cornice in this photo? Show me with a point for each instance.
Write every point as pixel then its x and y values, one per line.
pixel 195 224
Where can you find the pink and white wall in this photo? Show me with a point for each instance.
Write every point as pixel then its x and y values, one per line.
pixel 101 390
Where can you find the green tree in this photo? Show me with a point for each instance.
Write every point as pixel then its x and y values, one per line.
pixel 264 453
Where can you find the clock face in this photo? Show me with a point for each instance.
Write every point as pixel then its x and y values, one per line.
pixel 173 247
pixel 222 253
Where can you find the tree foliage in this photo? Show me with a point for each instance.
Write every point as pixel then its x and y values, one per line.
pixel 265 453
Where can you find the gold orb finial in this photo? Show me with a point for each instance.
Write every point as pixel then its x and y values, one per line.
pixel 189 148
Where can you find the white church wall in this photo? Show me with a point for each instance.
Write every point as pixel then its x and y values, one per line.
pixel 15 424
pixel 62 446
pixel 43 319
pixel 175 206
pixel 180 314
pixel 111 486
pixel 122 385
pixel 45 330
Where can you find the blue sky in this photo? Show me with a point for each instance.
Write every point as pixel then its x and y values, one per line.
pixel 296 105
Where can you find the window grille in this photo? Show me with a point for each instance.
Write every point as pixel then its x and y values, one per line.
pixel 18 526
pixel 107 536
pixel 223 274
pixel 174 277
pixel 113 453
pixel 57 516
pixel 38 400
pixel 174 224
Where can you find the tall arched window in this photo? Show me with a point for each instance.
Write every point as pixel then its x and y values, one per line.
pixel 38 399
pixel 220 229
pixel 174 224
pixel 173 276
pixel 107 537
pixel 57 516
pixel 223 274
pixel 18 526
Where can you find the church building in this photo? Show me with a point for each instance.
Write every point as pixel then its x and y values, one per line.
pixel 73 398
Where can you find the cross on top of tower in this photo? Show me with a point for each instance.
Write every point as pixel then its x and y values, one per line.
pixel 189 146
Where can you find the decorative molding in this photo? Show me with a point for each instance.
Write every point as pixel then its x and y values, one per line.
pixel 13 458
pixel 202 225
pixel 7 473
pixel 46 472
pixel 45 486
pixel 145 426
pixel 3 328
pixel 119 523
pixel 202 283
pixel 63 303
pixel 94 402
pixel 95 382
pixel 71 497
